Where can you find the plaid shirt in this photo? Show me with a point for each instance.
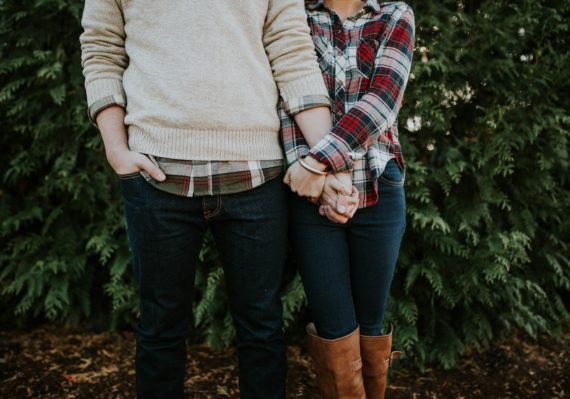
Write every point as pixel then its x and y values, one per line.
pixel 366 62
pixel 199 178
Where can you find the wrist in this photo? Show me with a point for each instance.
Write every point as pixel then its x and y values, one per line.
pixel 116 151
pixel 313 163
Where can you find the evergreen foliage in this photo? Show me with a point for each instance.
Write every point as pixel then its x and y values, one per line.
pixel 485 132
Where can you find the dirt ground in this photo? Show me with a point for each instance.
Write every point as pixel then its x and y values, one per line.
pixel 60 363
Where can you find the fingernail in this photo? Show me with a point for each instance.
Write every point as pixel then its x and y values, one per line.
pixel 161 177
pixel 341 209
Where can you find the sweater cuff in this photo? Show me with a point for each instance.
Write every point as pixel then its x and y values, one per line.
pixel 304 93
pixel 101 94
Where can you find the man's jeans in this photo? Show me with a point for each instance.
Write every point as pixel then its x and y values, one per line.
pixel 165 233
pixel 347 269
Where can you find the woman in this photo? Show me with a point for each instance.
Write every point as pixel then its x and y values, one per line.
pixel 347 256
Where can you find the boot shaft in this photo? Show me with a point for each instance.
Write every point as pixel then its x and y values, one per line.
pixel 337 364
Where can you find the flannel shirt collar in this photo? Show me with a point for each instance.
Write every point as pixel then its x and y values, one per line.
pixel 371 5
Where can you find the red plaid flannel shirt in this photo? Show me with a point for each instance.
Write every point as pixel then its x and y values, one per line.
pixel 366 62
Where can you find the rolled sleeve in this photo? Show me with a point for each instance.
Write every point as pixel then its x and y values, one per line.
pixel 103 103
pixel 300 104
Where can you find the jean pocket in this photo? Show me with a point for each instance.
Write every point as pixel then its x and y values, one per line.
pixel 392 175
pixel 130 176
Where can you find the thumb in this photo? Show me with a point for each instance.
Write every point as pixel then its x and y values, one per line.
pixel 342 203
pixel 287 178
pixel 149 167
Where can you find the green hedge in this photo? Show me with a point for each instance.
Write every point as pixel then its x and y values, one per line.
pixel 485 134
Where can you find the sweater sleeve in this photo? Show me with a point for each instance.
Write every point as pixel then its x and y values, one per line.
pixel 103 55
pixel 378 108
pixel 292 56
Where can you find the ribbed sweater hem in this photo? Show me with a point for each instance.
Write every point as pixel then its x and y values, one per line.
pixel 206 145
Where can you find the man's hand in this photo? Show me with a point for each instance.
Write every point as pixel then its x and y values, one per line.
pixel 111 122
pixel 339 200
pixel 306 183
pixel 125 161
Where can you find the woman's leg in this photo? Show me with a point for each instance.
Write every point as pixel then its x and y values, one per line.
pixel 321 253
pixel 374 237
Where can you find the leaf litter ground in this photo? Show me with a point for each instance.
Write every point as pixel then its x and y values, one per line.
pixel 55 362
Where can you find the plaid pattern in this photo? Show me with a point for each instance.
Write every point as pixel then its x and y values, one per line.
pixel 365 62
pixel 199 178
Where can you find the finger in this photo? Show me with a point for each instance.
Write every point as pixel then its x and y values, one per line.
pixel 354 198
pixel 334 216
pixel 149 167
pixel 342 203
pixel 287 178
pixel 339 186
pixel 352 211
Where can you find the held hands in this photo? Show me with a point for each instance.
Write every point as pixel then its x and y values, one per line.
pixel 305 183
pixel 339 200
pixel 335 192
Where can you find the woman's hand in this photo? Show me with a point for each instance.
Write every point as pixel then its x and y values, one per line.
pixel 339 200
pixel 304 182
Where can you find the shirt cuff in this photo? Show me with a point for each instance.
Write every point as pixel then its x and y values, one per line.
pixel 296 105
pixel 105 102
pixel 334 153
pixel 305 93
pixel 294 154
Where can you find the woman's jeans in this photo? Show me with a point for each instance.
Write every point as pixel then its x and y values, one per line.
pixel 166 233
pixel 347 269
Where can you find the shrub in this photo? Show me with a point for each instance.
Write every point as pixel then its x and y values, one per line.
pixel 485 135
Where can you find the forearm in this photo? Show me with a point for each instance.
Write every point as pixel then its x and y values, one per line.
pixel 111 122
pixel 314 123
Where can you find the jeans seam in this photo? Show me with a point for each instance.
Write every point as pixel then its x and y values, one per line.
pixel 391 183
pixel 211 214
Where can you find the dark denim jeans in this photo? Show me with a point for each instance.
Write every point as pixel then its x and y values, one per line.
pixel 347 269
pixel 165 234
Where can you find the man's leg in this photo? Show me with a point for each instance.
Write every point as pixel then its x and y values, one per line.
pixel 250 232
pixel 165 234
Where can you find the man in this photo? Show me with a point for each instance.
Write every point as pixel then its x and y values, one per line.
pixel 184 93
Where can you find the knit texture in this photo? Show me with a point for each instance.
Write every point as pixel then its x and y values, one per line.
pixel 201 80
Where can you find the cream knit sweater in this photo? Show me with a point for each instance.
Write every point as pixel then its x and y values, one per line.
pixel 200 79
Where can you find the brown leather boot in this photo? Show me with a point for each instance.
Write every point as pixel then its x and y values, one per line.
pixel 377 357
pixel 337 365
